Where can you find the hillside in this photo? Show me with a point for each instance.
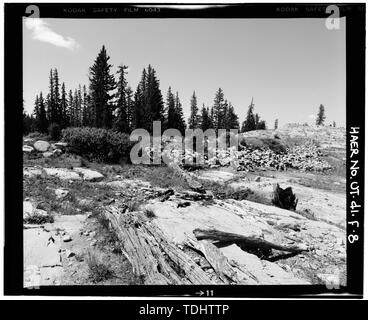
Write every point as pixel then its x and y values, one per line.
pixel 125 224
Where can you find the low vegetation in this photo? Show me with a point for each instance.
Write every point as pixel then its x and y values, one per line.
pixel 96 144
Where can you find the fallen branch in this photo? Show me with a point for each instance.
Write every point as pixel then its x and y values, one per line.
pixel 221 239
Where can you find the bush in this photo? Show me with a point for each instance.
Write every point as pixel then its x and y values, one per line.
pixel 97 144
pixel 54 131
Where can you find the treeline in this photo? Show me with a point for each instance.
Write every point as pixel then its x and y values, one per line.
pixel 109 102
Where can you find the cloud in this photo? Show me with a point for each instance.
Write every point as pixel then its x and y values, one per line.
pixel 41 31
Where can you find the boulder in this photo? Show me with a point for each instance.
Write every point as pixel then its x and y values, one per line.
pixel 28 149
pixel 28 209
pixel 47 154
pixel 89 175
pixel 61 145
pixel 41 145
pixel 62 173
pixel 61 193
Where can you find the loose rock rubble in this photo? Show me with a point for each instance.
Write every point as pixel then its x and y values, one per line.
pixel 303 158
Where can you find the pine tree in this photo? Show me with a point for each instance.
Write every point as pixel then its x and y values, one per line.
pixel 121 122
pixel 101 84
pixel 334 124
pixel 193 121
pixel 138 108
pixel 86 114
pixel 51 105
pixel 56 92
pixel 205 119
pixel 321 116
pixel 171 112
pixel 180 122
pixel 231 118
pixel 276 124
pixel 130 107
pixel 64 107
pixel 250 121
pixel 154 96
pixel 71 111
pixel 40 114
pixel 142 112
pixel 219 110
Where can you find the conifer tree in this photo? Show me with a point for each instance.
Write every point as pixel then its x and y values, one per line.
pixel 193 121
pixel 250 121
pixel 321 116
pixel 276 124
pixel 171 112
pixel 101 85
pixel 64 107
pixel 41 119
pixel 154 96
pixel 56 98
pixel 71 111
pixel 231 118
pixel 219 110
pixel 205 119
pixel 121 122
pixel 179 116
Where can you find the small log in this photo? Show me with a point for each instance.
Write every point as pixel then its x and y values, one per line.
pixel 221 239
pixel 284 198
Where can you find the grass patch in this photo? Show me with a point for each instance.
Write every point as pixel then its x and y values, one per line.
pixel 37 218
pixel 98 271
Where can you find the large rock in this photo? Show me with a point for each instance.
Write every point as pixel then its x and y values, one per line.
pixel 61 193
pixel 41 145
pixel 89 175
pixel 47 154
pixel 28 149
pixel 62 173
pixel 28 209
pixel 61 145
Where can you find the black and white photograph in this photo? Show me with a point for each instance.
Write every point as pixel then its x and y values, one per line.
pixel 199 146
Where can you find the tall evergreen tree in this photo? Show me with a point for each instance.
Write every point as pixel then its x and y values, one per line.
pixel 51 105
pixel 231 118
pixel 71 112
pixel 250 121
pixel 171 112
pixel 193 121
pixel 320 120
pixel 121 122
pixel 101 85
pixel 130 107
pixel 205 119
pixel 64 107
pixel 40 114
pixel 219 110
pixel 57 99
pixel 276 124
pixel 86 110
pixel 154 96
pixel 180 121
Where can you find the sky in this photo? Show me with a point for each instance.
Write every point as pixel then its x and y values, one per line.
pixel 289 66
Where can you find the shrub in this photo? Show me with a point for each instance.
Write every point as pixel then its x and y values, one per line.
pixel 54 131
pixel 97 270
pixel 97 144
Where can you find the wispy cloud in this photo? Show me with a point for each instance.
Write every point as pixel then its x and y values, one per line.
pixel 42 32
